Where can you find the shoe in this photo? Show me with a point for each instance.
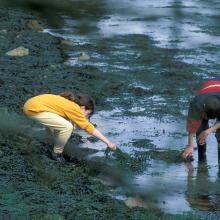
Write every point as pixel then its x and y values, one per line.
pixel 58 157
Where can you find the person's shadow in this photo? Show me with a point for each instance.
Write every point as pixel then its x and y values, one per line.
pixel 202 194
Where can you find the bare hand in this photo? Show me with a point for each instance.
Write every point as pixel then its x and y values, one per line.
pixel 203 136
pixel 112 146
pixel 188 152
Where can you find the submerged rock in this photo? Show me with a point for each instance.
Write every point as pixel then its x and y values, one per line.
pixel 66 43
pixel 18 52
pixel 135 202
pixel 33 24
pixel 83 56
pixel 3 31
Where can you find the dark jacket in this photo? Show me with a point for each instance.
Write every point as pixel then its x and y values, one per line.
pixel 196 110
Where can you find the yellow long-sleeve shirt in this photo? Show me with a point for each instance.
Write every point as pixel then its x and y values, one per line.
pixel 58 105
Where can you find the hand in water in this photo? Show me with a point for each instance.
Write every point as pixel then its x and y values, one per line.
pixel 188 152
pixel 112 146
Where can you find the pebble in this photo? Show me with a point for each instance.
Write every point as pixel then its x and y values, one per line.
pixel 83 56
pixel 18 52
pixel 3 31
pixel 33 24
pixel 66 43
pixel 135 202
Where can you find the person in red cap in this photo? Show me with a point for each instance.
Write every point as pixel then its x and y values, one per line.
pixel 204 106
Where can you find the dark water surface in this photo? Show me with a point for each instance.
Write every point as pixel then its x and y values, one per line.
pixel 156 54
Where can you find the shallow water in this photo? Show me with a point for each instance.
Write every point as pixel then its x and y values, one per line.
pixel 156 55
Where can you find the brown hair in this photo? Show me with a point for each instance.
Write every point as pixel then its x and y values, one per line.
pixel 81 100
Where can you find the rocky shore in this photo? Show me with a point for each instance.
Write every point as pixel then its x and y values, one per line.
pixel 32 185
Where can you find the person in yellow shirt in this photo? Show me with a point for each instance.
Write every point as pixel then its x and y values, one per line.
pixel 60 114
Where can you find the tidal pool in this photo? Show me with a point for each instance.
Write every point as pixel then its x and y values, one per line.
pixel 180 186
pixel 155 56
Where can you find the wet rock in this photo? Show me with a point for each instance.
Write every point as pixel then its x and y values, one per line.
pixel 33 24
pixel 55 66
pixel 18 52
pixel 135 202
pixel 3 31
pixel 67 62
pixel 139 91
pixel 84 57
pixel 66 43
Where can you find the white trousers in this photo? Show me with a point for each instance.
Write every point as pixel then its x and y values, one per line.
pixel 58 126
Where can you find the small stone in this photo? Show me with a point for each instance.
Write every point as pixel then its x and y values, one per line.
pixel 83 56
pixel 18 52
pixel 3 31
pixel 135 202
pixel 33 24
pixel 66 43
pixel 55 66
pixel 67 62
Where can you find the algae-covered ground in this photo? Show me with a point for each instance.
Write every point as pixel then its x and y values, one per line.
pixel 35 187
pixel 32 185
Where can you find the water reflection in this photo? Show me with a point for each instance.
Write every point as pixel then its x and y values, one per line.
pixel 202 193
pixel 176 24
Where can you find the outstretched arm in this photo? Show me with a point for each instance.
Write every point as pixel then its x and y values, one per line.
pixel 101 137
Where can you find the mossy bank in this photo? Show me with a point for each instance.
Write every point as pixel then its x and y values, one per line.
pixel 32 185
